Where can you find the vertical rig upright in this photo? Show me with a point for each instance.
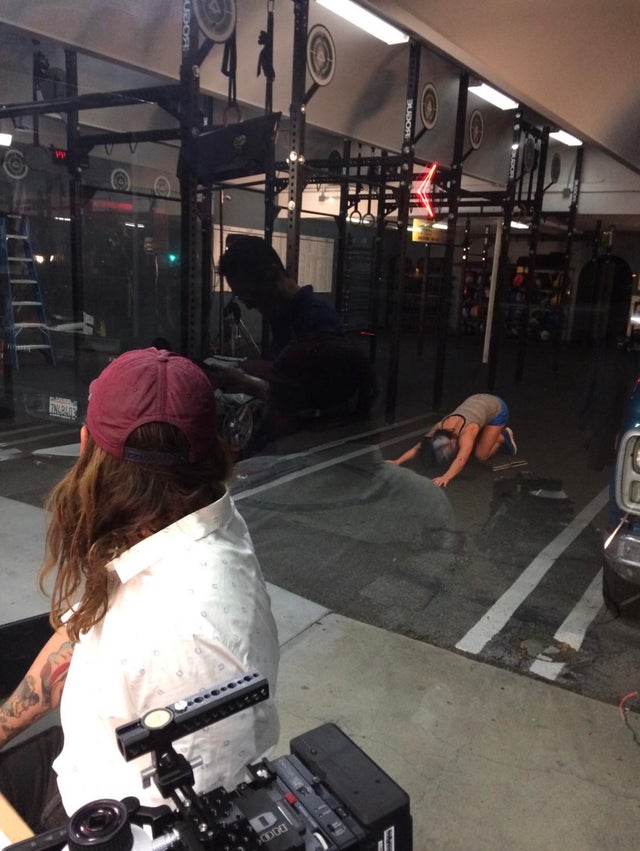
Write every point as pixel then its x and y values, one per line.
pixel 296 134
pixel 190 293
pixel 404 204
pixel 536 212
pixel 453 196
pixel 503 259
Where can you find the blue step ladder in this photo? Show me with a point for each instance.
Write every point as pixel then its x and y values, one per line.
pixel 25 321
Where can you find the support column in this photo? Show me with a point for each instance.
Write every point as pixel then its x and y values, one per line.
pixel 571 229
pixel 533 247
pixel 495 320
pixel 75 201
pixel 453 193
pixel 270 207
pixel 404 205
pixel 377 263
pixel 342 225
pixel 270 183
pixel 296 135
pixel 191 292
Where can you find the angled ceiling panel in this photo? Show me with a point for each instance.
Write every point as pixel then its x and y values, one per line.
pixel 575 62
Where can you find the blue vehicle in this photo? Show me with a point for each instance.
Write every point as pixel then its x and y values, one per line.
pixel 621 568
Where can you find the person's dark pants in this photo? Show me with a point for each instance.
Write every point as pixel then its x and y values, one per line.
pixel 28 781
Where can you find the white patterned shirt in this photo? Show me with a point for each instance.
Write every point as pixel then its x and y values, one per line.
pixel 191 611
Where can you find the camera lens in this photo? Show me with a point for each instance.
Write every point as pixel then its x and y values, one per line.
pixel 102 824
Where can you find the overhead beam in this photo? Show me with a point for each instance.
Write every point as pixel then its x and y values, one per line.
pixel 134 136
pixel 102 100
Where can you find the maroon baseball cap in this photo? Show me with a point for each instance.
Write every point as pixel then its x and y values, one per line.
pixel 152 386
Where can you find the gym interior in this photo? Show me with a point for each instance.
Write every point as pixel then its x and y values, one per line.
pixel 459 636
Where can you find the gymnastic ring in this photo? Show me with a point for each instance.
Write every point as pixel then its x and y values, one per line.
pixel 353 220
pixel 368 219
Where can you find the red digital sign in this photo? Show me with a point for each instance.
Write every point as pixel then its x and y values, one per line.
pixel 59 155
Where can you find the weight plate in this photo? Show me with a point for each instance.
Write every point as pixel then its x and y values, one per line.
pixel 429 106
pixel 162 187
pixel 216 18
pixel 321 55
pixel 14 165
pixel 556 165
pixel 476 129
pixel 120 180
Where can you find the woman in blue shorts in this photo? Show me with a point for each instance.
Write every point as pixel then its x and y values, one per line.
pixel 477 426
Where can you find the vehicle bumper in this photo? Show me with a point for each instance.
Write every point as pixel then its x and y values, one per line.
pixel 623 555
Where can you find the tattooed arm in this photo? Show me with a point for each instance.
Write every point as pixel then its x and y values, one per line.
pixel 41 688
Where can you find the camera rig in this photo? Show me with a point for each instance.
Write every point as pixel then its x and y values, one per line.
pixel 326 795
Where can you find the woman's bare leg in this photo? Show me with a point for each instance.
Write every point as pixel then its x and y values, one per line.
pixel 490 439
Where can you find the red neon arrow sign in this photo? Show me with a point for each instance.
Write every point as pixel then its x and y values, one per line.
pixel 424 190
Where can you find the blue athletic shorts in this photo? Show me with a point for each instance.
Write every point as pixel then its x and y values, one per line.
pixel 502 418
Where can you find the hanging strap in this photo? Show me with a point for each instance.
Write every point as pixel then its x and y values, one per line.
pixel 265 59
pixel 229 65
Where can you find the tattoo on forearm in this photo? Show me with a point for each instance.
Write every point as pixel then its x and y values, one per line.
pixel 21 701
pixel 29 701
pixel 54 673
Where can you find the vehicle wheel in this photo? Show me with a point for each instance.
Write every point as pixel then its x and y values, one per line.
pixel 237 428
pixel 242 428
pixel 621 597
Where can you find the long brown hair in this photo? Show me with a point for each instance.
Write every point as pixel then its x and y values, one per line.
pixel 105 505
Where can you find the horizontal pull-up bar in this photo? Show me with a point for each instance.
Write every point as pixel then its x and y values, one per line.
pixel 102 100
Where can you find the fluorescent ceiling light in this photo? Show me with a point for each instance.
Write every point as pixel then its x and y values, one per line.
pixel 367 21
pixel 519 225
pixel 565 138
pixel 493 96
pixel 440 226
pixel 5 140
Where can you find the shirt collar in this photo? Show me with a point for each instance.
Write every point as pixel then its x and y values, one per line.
pixel 193 526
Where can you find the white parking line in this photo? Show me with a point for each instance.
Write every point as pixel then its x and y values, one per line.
pixel 573 630
pixel 322 465
pixel 352 438
pixel 494 620
pixel 35 437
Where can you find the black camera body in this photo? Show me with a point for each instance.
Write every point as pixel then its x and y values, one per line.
pixel 326 795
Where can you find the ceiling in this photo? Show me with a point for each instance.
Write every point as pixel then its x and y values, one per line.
pixel 575 63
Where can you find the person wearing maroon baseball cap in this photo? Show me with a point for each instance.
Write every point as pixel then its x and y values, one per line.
pixel 157 593
pixel 152 386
